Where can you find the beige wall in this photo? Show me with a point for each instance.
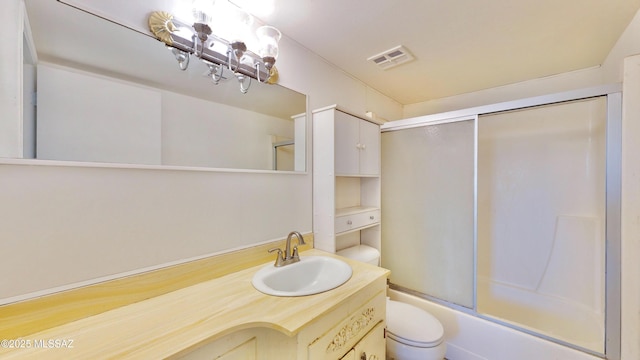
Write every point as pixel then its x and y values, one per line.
pixel 63 225
pixel 303 71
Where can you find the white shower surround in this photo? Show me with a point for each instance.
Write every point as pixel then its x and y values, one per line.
pixel 548 315
pixel 469 337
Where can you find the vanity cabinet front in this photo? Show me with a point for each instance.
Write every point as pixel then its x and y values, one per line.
pixel 372 346
pixel 349 333
pixel 353 330
pixel 249 344
pixel 351 355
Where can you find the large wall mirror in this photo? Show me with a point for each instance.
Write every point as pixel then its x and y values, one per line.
pixel 107 93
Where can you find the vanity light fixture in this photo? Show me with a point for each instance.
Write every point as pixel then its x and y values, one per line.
pixel 221 53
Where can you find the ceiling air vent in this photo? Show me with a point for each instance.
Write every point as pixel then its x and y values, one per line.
pixel 392 57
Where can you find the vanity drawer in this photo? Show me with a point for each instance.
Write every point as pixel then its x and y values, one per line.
pixel 356 220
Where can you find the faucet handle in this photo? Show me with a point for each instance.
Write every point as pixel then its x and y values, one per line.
pixel 279 257
pixel 294 253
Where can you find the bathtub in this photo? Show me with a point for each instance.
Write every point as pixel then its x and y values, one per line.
pixel 471 337
pixel 556 317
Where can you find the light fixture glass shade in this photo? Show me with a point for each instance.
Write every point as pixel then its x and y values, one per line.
pixel 230 22
pixel 202 11
pixel 240 24
pixel 268 37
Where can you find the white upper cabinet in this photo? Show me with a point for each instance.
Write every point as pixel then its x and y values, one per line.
pixel 357 145
pixel 346 181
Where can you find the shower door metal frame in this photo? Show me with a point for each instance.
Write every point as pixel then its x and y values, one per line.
pixel 613 188
pixel 613 193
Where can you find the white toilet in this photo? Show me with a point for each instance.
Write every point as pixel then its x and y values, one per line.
pixel 412 333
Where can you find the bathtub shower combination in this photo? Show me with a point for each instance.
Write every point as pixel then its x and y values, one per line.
pixel 510 215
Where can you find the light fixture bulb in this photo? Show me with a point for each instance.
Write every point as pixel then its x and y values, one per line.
pixel 268 37
pixel 202 11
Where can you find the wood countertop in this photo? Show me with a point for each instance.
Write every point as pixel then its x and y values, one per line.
pixel 175 323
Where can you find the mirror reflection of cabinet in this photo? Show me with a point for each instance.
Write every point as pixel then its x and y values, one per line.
pixel 29 62
pixel 84 117
pixel 18 82
pixel 346 187
pixel 88 117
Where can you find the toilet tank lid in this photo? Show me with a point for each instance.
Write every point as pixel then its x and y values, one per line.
pixel 413 324
pixel 362 253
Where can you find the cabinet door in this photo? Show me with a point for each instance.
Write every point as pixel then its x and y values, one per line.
pixel 246 351
pixel 235 346
pixel 369 148
pixel 351 355
pixel 373 345
pixel 347 333
pixel 347 153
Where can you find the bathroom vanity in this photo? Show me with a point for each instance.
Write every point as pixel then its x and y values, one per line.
pixel 227 318
pixel 354 327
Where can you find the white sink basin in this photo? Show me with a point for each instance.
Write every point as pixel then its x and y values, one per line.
pixel 311 275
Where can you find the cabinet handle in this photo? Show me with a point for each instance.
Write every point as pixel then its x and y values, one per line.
pixel 349 222
pixel 363 356
pixel 358 146
pixel 371 217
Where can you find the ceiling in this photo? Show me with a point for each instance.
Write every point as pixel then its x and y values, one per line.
pixel 460 46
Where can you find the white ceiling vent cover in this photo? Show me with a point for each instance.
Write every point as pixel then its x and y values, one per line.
pixel 392 57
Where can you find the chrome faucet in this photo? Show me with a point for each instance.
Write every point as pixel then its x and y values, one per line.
pixel 289 256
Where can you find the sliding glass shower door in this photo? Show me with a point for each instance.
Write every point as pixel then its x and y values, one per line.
pixel 504 213
pixel 541 216
pixel 428 210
